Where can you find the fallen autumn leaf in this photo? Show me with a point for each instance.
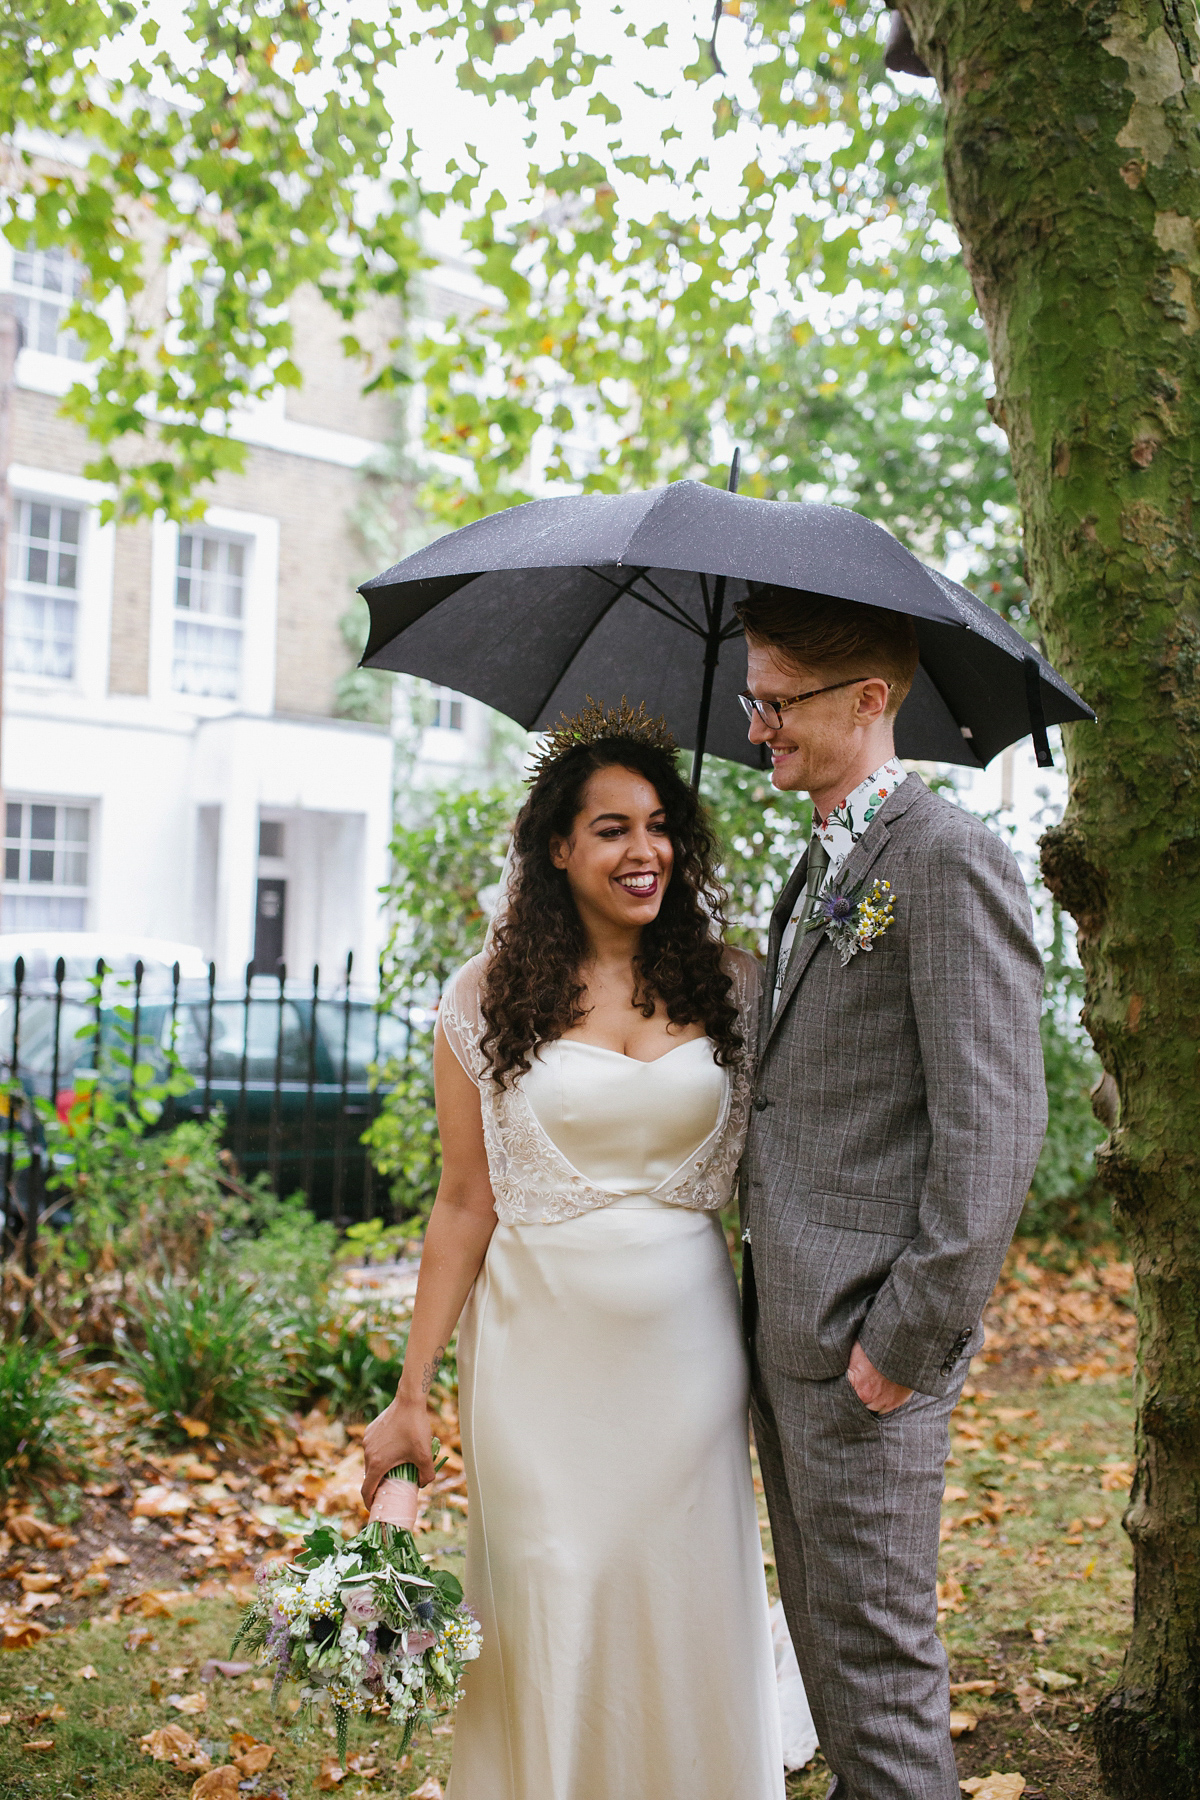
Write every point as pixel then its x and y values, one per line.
pixel 188 1703
pixel 218 1784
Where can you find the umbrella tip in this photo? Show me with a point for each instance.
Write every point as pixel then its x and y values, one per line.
pixel 735 469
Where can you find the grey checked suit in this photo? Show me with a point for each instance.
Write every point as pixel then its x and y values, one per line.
pixel 898 1112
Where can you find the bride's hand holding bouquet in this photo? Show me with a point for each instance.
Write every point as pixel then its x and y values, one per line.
pixel 401 1434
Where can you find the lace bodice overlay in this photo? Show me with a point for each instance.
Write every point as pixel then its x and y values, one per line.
pixel 532 1180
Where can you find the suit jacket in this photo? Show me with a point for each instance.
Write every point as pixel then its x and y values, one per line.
pixel 899 1107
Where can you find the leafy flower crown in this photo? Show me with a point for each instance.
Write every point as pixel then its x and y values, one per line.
pixel 597 723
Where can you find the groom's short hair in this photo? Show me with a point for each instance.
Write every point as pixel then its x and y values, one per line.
pixel 815 630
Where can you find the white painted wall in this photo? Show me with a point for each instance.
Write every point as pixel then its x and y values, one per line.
pixel 148 783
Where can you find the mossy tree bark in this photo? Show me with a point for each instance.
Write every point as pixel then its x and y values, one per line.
pixel 1073 164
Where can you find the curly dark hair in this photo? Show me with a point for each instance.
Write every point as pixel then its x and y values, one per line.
pixel 532 992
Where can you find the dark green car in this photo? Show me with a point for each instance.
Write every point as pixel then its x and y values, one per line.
pixel 295 1103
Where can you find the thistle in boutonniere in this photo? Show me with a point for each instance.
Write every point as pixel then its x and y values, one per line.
pixel 853 921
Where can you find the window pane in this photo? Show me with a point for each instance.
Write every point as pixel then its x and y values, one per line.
pixel 40 619
pixel 208 582
pixel 47 328
pixel 51 280
pixel 36 831
pixel 207 659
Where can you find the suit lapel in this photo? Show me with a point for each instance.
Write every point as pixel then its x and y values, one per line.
pixel 784 906
pixel 857 866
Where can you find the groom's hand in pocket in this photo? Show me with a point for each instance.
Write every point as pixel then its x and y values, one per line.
pixel 874 1390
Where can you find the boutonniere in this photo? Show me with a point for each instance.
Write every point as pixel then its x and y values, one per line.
pixel 853 921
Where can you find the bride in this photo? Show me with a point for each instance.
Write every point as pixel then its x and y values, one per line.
pixel 592 1070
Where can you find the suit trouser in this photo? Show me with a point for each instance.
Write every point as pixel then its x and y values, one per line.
pixel 855 1503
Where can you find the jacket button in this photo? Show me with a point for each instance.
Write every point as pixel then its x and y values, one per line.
pixel 761 1103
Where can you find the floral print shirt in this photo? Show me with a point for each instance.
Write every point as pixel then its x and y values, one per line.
pixel 839 833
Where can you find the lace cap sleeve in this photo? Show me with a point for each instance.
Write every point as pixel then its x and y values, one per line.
pixel 460 1016
pixel 746 973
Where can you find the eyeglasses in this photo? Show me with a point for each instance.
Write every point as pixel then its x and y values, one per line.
pixel 771 711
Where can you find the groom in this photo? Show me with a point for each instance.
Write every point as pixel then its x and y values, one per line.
pixel 898 1112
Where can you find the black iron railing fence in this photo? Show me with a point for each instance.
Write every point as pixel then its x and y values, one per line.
pixel 291 1067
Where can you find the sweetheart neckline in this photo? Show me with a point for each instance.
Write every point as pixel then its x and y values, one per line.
pixel 640 1061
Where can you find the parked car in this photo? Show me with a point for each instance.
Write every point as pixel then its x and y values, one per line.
pixel 295 1102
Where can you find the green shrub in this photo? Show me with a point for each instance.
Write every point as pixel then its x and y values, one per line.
pixel 356 1362
pixel 152 1206
pixel 210 1351
pixel 37 1406
pixel 283 1247
pixel 359 1369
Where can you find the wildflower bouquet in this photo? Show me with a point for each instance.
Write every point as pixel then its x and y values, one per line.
pixel 365 1626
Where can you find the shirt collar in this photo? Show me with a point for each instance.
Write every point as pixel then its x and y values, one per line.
pixel 849 819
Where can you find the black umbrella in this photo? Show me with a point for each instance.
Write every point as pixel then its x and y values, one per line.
pixel 533 609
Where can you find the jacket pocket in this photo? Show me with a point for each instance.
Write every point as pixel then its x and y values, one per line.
pixel 860 1212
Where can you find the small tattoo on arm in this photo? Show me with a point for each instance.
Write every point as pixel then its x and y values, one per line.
pixel 429 1373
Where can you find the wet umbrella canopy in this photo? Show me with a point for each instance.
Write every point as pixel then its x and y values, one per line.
pixel 533 609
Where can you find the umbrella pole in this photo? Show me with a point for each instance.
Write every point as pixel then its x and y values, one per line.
pixel 712 648
pixel 712 652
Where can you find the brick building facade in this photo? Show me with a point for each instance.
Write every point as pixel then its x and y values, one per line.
pixel 173 762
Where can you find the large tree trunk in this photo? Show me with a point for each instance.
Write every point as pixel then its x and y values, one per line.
pixel 1073 162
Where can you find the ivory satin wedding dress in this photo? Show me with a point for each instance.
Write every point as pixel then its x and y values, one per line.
pixel 613 1550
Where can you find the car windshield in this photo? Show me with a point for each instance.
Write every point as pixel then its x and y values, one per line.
pixel 273 1031
pixel 36 1047
pixel 372 1037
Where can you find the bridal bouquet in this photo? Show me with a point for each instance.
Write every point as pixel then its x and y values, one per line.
pixel 365 1626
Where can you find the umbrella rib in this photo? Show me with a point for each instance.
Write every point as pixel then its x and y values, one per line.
pixel 672 618
pixel 676 616
pixel 618 592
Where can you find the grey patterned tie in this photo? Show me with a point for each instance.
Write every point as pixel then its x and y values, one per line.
pixel 818 862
